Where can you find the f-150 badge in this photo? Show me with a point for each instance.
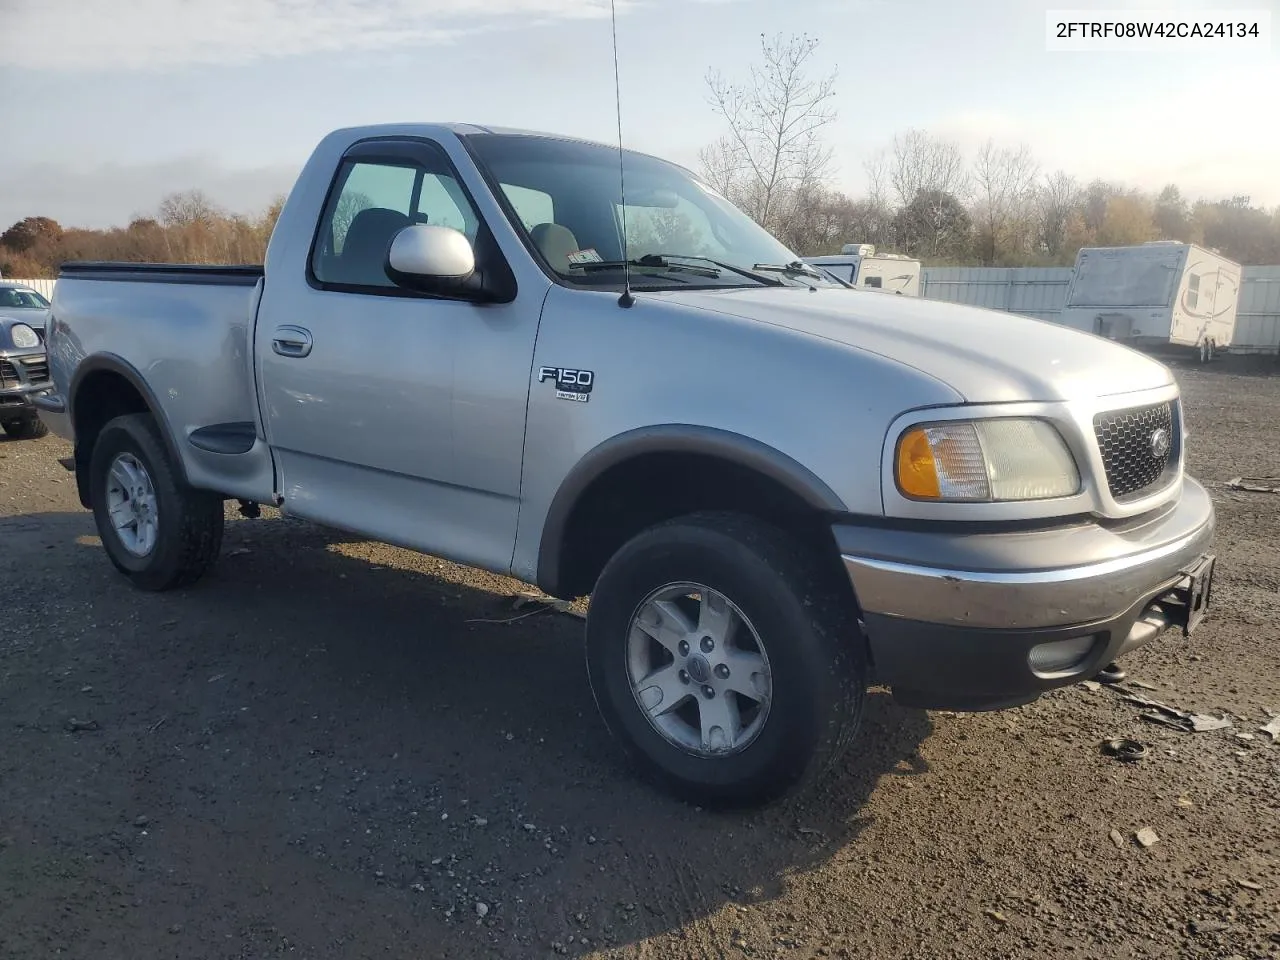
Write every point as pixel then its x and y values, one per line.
pixel 570 384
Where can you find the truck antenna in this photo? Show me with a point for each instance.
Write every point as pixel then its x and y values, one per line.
pixel 626 300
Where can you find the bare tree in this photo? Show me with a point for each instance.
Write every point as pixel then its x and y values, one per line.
pixel 1057 198
pixel 722 169
pixel 1003 183
pixel 186 208
pixel 775 119
pixel 923 163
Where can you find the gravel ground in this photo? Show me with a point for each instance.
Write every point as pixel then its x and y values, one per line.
pixel 245 770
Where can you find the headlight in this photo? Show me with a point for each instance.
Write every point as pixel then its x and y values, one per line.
pixel 985 460
pixel 23 336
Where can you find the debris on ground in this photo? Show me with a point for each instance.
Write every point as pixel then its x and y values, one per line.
pixel 1124 750
pixel 1255 484
pixel 482 910
pixel 1272 728
pixel 1165 715
pixel 81 726
pixel 1111 674
pixel 540 603
pixel 1201 723
pixel 1117 838
pixel 1091 685
pixel 1249 884
pixel 1146 837
pixel 996 915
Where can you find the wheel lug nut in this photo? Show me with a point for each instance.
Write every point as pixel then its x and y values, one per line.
pixel 708 644
pixel 684 648
pixel 708 692
pixel 684 677
pixel 722 671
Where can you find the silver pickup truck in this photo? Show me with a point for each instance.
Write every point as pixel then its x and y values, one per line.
pixel 776 491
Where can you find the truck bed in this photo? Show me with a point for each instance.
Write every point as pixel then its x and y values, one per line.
pixel 185 332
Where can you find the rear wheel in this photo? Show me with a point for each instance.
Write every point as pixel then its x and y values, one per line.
pixel 32 428
pixel 723 660
pixel 159 532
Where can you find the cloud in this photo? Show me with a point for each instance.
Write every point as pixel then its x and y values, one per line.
pixel 73 35
pixel 1210 138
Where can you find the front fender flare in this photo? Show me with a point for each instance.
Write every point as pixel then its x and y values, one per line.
pixel 671 438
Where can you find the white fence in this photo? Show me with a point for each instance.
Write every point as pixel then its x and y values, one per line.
pixel 1041 292
pixel 43 287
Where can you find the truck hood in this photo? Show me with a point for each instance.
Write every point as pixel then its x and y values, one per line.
pixel 986 356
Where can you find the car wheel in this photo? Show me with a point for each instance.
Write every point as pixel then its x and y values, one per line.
pixel 29 429
pixel 725 662
pixel 159 532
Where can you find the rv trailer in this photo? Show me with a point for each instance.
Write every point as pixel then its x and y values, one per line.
pixel 859 265
pixel 1155 296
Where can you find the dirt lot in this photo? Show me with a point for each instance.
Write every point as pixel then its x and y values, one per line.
pixel 318 752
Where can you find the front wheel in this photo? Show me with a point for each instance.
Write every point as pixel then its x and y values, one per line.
pixel 32 428
pixel 723 660
pixel 159 532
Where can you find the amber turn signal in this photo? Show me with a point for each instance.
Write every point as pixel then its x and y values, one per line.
pixel 917 470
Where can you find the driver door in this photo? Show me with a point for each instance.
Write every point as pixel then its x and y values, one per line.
pixel 358 376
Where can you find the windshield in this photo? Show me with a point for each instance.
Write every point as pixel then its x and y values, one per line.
pixel 566 199
pixel 17 298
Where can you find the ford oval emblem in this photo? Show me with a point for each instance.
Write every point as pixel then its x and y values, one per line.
pixel 1159 443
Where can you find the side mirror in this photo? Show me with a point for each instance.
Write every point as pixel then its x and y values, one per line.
pixel 431 259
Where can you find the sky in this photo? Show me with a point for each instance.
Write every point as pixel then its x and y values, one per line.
pixel 107 105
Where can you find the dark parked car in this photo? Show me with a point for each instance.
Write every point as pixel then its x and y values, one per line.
pixel 24 375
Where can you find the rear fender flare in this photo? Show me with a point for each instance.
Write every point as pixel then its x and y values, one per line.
pixel 113 363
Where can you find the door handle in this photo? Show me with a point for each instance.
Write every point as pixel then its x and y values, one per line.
pixel 291 341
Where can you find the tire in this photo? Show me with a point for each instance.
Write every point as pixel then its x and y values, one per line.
pixel 32 428
pixel 187 532
pixel 813 654
pixel 1204 351
pixel 1213 351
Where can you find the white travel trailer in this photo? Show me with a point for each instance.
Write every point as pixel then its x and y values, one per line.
pixel 1155 296
pixel 859 264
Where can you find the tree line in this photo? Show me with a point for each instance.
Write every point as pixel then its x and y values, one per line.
pixel 925 197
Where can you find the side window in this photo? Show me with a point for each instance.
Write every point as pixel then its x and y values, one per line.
pixel 374 200
pixel 1193 291
pixel 873 282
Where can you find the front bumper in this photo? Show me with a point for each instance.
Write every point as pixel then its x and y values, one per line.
pixel 24 376
pixel 952 617
pixel 18 403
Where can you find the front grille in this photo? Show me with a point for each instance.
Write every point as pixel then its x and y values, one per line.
pixel 8 375
pixel 1131 454
pixel 37 369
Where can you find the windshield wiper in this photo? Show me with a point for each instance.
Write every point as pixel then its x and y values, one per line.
pixel 796 268
pixel 663 260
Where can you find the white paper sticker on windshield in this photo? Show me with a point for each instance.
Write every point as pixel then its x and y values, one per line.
pixel 588 255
